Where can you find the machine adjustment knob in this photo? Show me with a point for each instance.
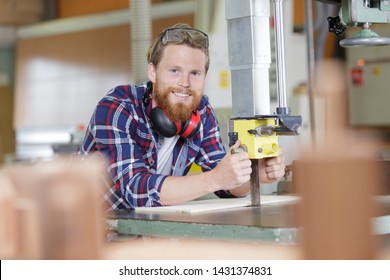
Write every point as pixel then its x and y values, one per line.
pixel 336 26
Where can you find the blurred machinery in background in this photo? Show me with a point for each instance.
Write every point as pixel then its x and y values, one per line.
pixel 335 179
pixel 360 13
pixel 367 68
pixel 368 71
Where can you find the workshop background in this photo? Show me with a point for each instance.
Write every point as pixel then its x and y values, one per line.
pixel 59 57
pixel 73 52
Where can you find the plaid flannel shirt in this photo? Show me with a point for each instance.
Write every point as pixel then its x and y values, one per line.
pixel 121 131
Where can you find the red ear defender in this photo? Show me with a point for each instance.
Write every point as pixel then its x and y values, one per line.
pixel 163 125
pixel 192 126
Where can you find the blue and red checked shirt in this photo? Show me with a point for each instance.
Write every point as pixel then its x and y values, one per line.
pixel 121 131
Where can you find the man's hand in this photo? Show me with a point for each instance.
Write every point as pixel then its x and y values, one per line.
pixel 272 169
pixel 233 170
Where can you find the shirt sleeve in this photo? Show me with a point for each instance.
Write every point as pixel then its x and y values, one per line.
pixel 115 133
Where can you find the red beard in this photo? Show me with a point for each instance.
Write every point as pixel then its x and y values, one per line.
pixel 175 111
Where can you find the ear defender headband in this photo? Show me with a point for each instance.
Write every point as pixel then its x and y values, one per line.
pixel 167 128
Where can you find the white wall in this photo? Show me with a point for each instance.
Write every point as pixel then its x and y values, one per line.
pixel 218 85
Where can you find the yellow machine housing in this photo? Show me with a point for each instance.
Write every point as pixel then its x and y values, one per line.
pixel 257 146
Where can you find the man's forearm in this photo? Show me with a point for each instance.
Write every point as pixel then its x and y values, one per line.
pixel 179 189
pixel 242 190
pixel 176 190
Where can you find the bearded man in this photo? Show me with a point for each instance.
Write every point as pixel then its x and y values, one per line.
pixel 152 133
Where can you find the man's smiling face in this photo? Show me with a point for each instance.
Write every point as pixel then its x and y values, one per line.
pixel 178 80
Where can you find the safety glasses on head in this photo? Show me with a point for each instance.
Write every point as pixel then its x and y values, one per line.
pixel 179 34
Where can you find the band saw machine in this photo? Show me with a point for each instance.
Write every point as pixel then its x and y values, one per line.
pixel 248 24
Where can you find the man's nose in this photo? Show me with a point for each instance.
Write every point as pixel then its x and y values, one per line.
pixel 185 80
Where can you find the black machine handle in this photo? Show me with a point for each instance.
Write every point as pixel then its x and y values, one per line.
pixel 335 26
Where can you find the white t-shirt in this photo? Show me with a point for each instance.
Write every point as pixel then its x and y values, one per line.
pixel 165 155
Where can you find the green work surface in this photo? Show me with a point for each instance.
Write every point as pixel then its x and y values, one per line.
pixel 274 223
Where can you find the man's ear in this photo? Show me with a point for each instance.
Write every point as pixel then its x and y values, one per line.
pixel 151 72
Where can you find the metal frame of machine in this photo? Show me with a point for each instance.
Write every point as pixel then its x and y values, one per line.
pixel 249 46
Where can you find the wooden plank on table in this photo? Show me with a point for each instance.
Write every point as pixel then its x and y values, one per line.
pixel 199 206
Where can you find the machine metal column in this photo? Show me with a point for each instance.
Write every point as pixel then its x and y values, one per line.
pixel 249 55
pixel 249 59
